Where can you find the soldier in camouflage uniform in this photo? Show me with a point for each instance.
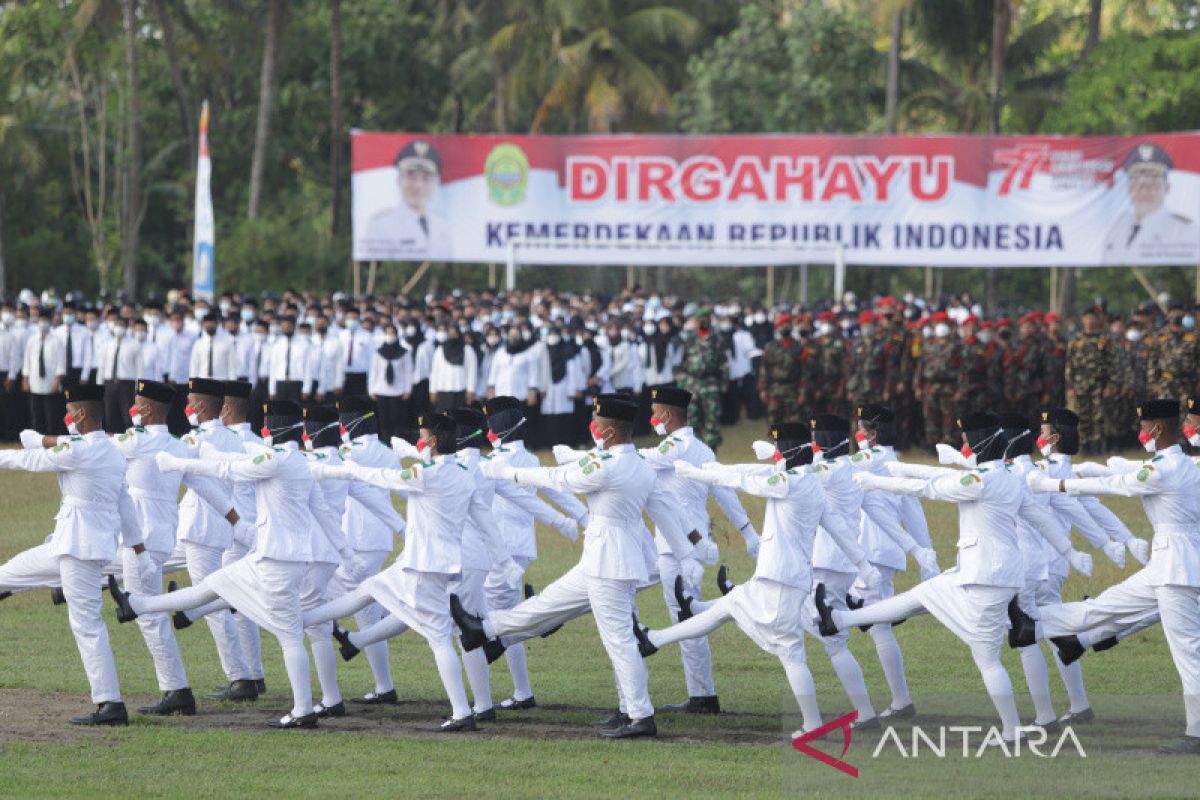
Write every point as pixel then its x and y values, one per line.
pixel 1056 362
pixel 996 348
pixel 866 368
pixel 829 348
pixel 1090 377
pixel 1174 360
pixel 978 368
pixel 1025 369
pixel 1130 356
pixel 938 385
pixel 897 367
pixel 702 372
pixel 779 375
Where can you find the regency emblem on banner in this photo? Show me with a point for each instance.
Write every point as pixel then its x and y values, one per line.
pixel 507 171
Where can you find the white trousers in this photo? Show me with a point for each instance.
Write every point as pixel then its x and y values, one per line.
pixel 248 633
pixel 348 578
pixel 695 653
pixel 202 561
pixel 1130 600
pixel 156 628
pixel 612 604
pixel 501 594
pixel 38 568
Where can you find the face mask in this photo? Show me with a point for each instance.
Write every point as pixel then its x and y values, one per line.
pixel 68 319
pixel 966 450
pixel 391 338
pixel 247 315
pixel 760 317
pixel 1147 440
pixel 553 339
pixel 43 325
pixel 440 336
pixel 7 317
pixel 726 326
pixel 1189 322
pixel 527 335
pixel 410 331
pixel 210 331
pixel 69 421
pixel 192 417
pixel 868 331
pixel 135 416
pixel 493 439
pixel 352 324
pixel 579 340
pixel 260 337
pixel 273 329
pixel 941 330
pixel 1192 435
pixel 119 333
pixel 1133 335
pixel 659 426
pixel 153 321
pixel 493 341
pixel 308 445
pixel 1045 446
pixel 421 445
pixel 985 336
pixel 861 439
pixel 139 336
pixel 224 308
pixel 199 313
pixel 596 437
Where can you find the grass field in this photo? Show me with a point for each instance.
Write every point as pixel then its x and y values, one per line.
pixel 549 752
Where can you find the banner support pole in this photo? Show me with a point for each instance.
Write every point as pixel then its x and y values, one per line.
pixel 839 272
pixel 770 285
pixel 510 267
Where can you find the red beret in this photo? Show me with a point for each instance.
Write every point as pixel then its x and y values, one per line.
pixel 1052 317
pixel 865 316
pixel 887 301
pixel 939 316
pixel 987 324
pixel 827 316
pixel 783 319
pixel 970 320
pixel 1004 322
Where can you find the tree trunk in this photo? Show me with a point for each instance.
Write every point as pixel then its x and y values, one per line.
pixel 893 71
pixel 335 118
pixel 3 268
pixel 277 10
pixel 182 99
pixel 1066 292
pixel 131 203
pixel 1001 22
pixel 1093 30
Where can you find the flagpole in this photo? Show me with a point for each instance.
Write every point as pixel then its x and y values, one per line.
pixel 203 264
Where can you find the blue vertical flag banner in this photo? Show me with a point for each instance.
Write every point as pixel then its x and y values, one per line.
pixel 203 267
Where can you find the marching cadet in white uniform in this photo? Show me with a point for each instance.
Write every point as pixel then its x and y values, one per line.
pixel 266 584
pixel 769 607
pixel 617 482
pixel 416 587
pixel 95 511
pixel 1169 486
pixel 205 533
pixel 970 598
pixel 371 524
pixel 881 436
pixel 668 406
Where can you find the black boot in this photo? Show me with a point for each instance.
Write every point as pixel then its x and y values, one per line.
pixel 261 685
pixel 237 692
pixel 105 714
pixel 176 701
pixel 855 605
pixel 633 728
pixel 289 722
pixel 1106 644
pixel 493 649
pixel 723 580
pixel 640 632
pixel 1189 746
pixel 376 698
pixel 57 597
pixel 513 704
pixel 529 591
pixel 335 710
pixel 345 646
pixel 125 612
pixel 617 719
pixel 825 622
pixel 5 595
pixel 708 704
pixel 685 602
pixel 470 626
pixel 1069 648
pixel 1023 631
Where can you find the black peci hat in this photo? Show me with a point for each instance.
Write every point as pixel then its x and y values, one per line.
pixel 615 406
pixel 239 389
pixel 670 396
pixel 206 386
pixel 1060 418
pixel 84 393
pixel 157 391
pixel 1158 409
pixel 875 412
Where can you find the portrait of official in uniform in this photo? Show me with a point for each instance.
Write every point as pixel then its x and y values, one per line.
pixel 1148 230
pixel 412 229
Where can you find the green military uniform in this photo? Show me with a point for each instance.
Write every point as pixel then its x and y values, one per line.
pixel 1129 379
pixel 939 384
pixel 1090 375
pixel 702 372
pixel 779 379
pixel 898 369
pixel 831 375
pixel 977 375
pixel 1025 375
pixel 1054 391
pixel 866 370
pixel 1174 363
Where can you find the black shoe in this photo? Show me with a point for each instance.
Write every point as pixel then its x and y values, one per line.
pixel 855 605
pixel 288 722
pixel 551 632
pixel 486 716
pixel 706 704
pixel 335 710
pixel 470 626
pixel 685 602
pixel 824 613
pixel 723 580
pixel 57 597
pixel 631 729
pixel 1023 631
pixel 1106 644
pixel 1069 648
pixel 176 701
pixel 529 591
pixel 908 712
pixel 871 724
pixel 180 620
pixel 345 646
pixel 376 698
pixel 645 647
pixel 261 685
pixel 125 612
pixel 1078 717
pixel 1189 746
pixel 513 704
pixel 493 649
pixel 617 719
pixel 5 595
pixel 238 691
pixel 105 714
pixel 467 723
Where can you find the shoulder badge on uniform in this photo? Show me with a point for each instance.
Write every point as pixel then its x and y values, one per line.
pixel 776 479
pixel 344 451
pixel 262 457
pixel 970 478
pixel 279 449
pixel 1145 472
pixel 1157 458
pixel 860 456
pixel 666 446
pixel 60 447
pixel 409 473
pixel 588 469
pixel 125 437
pixel 583 462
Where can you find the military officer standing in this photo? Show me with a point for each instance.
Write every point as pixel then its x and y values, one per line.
pixel 779 379
pixel 1091 379
pixel 701 371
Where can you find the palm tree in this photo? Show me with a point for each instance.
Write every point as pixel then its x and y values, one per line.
pixel 20 158
pixel 276 18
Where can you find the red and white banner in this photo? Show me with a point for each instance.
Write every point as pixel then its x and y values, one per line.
pixel 953 201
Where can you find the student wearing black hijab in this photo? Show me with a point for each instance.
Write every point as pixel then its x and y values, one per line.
pixel 390 383
pixel 454 372
pixel 565 385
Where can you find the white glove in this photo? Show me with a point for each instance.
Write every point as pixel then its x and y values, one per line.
pixel 692 571
pixel 870 576
pixel 148 573
pixel 403 449
pixel 347 555
pixel 1080 562
pixel 1119 464
pixel 753 540
pixel 502 472
pixel 563 454
pixel 1040 482
pixel 1139 549
pixel 510 572
pixel 762 450
pixel 167 462
pixel 706 552
pixel 31 439
pixel 866 480
pixel 568 528
pixel 947 454
pixel 685 470
pixel 1090 469
pixel 1115 552
pixel 926 558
